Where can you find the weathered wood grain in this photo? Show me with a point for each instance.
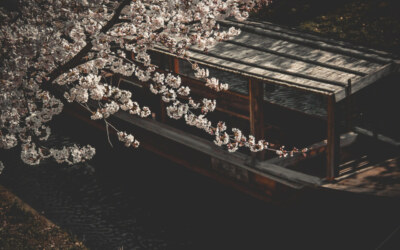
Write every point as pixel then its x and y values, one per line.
pixel 261 60
pixel 315 41
pixel 294 59
pixel 248 71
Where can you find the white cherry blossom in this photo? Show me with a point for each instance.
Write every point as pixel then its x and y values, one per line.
pixel 56 51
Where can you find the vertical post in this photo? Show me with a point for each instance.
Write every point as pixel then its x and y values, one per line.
pixel 175 65
pixel 333 137
pixel 256 99
pixel 349 118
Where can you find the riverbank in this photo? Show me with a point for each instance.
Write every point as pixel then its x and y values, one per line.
pixel 21 227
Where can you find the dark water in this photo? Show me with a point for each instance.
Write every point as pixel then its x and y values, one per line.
pixel 137 200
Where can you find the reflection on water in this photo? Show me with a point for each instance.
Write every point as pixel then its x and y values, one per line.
pixel 137 200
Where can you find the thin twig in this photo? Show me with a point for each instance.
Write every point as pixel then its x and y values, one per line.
pixel 108 133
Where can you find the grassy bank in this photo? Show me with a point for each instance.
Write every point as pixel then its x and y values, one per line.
pixel 22 228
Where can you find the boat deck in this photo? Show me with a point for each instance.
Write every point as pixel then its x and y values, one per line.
pixel 381 179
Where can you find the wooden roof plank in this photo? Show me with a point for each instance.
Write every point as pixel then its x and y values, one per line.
pixel 315 37
pixel 280 64
pixel 306 54
pixel 297 79
pixel 309 42
pixel 227 60
pixel 237 68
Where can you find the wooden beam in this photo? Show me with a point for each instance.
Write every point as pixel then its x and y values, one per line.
pixel 289 174
pixel 332 153
pixel 176 65
pixel 256 104
pixel 226 111
pixel 379 137
pixel 349 110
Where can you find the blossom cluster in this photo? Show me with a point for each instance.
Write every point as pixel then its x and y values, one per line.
pixel 212 83
pixel 168 86
pixel 235 140
pixel 70 155
pixel 128 139
pixel 186 108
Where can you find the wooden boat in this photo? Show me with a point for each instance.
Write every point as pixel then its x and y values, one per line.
pixel 294 89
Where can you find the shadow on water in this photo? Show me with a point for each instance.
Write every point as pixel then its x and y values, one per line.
pixel 138 200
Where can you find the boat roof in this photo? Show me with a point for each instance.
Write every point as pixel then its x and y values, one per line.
pixel 292 58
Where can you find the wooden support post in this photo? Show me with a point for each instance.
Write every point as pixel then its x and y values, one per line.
pixel 333 137
pixel 175 65
pixel 256 99
pixel 349 117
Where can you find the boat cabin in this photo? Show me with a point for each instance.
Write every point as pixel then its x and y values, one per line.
pixel 291 88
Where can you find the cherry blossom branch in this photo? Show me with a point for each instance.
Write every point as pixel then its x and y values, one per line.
pixel 166 86
pixel 73 62
pixel 71 43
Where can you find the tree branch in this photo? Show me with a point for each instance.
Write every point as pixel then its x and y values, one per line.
pixel 76 60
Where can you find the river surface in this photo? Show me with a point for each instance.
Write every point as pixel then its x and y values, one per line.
pixel 133 199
